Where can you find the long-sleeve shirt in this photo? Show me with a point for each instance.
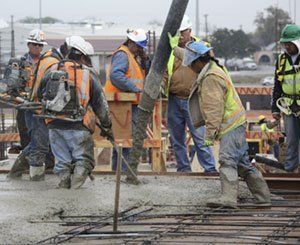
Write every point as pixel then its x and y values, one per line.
pixel 212 96
pixel 119 67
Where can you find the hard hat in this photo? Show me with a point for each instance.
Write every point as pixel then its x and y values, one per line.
pixel 186 23
pixel 193 51
pixel 36 36
pixel 89 48
pixel 139 36
pixel 290 33
pixel 261 117
pixel 70 40
pixel 81 45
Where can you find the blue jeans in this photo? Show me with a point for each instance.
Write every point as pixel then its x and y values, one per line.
pixel 125 151
pixel 292 130
pixel 178 119
pixel 38 147
pixel 72 147
pixel 234 152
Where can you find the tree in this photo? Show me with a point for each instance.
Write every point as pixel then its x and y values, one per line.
pixel 232 43
pixel 45 20
pixel 155 23
pixel 269 24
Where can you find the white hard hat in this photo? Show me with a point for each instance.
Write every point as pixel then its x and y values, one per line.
pixel 186 23
pixel 89 49
pixel 81 45
pixel 70 40
pixel 36 36
pixel 139 36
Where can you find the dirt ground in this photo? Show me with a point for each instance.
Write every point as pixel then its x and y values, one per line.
pixel 26 205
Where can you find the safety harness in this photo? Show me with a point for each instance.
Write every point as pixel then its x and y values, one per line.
pixel 283 102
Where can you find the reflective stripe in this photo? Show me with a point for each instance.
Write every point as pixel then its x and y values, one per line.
pixel 234 112
pixel 237 120
pixel 85 77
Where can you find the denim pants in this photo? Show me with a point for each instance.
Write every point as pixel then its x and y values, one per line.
pixel 38 147
pixel 178 119
pixel 234 152
pixel 125 151
pixel 292 130
pixel 72 147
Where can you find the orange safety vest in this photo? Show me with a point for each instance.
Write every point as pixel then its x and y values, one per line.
pixel 82 91
pixel 45 62
pixel 135 73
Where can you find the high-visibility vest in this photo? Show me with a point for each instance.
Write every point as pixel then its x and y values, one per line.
pixel 83 85
pixel 135 73
pixel 46 61
pixel 170 66
pixel 289 79
pixel 234 113
pixel 264 128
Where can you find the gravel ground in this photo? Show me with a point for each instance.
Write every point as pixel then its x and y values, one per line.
pixel 24 203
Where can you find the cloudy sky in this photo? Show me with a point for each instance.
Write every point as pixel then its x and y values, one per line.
pixel 221 13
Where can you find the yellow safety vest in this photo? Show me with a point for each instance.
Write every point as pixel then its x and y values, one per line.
pixel 264 128
pixel 290 80
pixel 234 112
pixel 170 65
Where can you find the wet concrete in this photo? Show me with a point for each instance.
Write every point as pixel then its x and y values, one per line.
pixel 26 206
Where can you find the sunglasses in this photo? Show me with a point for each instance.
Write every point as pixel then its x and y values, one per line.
pixel 37 44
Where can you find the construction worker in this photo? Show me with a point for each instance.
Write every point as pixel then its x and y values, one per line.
pixel 37 153
pixel 286 93
pixel 179 80
pixel 35 44
pixel 225 120
pixel 70 138
pixel 30 153
pixel 127 74
pixel 270 145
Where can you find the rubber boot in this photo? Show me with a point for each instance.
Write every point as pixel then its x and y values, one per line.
pixel 65 180
pixel 79 177
pixel 259 189
pixel 18 168
pixel 229 187
pixel 37 173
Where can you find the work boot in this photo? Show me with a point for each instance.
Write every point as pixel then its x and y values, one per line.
pixel 37 173
pixel 18 168
pixel 259 189
pixel 65 180
pixel 79 177
pixel 229 187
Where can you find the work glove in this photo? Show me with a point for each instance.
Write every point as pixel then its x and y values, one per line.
pixel 208 143
pixel 107 133
pixel 173 41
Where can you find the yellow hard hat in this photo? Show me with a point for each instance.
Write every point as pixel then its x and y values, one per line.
pixel 261 117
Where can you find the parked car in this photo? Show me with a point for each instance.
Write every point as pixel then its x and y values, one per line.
pixel 241 64
pixel 267 81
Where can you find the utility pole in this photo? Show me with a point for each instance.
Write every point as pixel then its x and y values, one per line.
pixel 295 7
pixel 12 47
pixel 206 26
pixel 0 54
pixel 197 19
pixel 40 14
pixel 276 29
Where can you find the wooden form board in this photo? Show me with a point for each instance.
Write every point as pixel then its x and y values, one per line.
pixel 120 110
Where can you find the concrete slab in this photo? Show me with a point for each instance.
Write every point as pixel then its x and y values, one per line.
pixel 28 207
